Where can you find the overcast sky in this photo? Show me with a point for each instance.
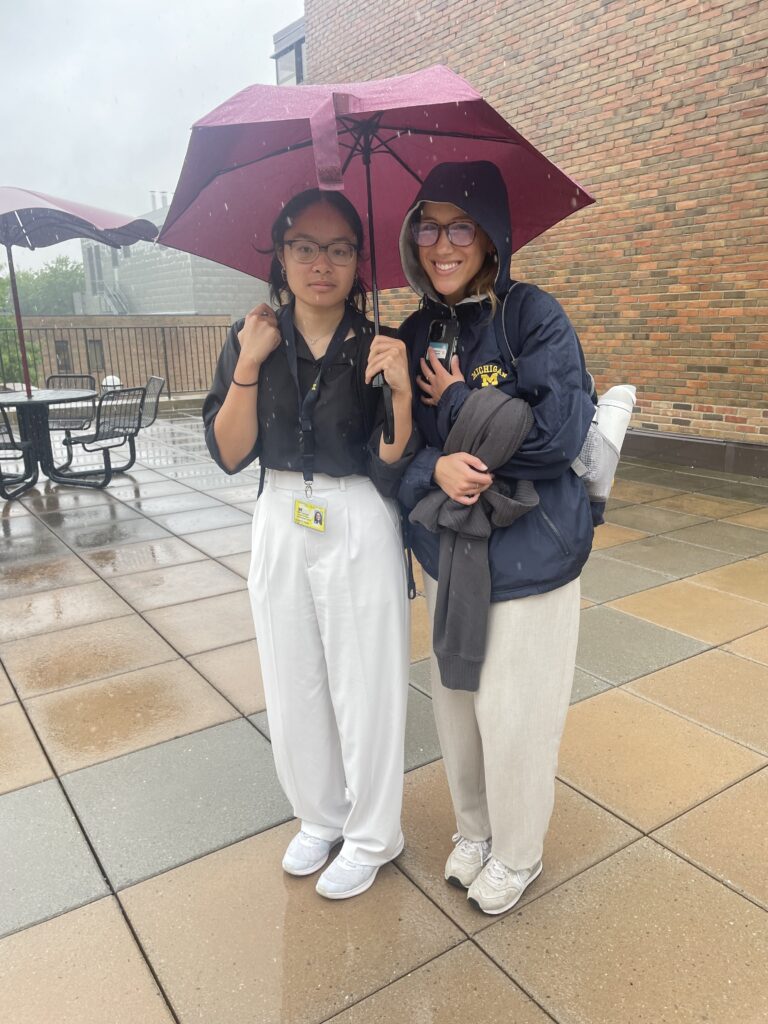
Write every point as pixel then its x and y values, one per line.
pixel 97 96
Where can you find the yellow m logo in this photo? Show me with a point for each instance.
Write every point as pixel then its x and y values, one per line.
pixel 489 379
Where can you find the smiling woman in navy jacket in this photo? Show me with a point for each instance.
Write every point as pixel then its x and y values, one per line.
pixel 499 713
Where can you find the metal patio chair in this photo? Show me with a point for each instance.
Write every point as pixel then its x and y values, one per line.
pixel 73 415
pixel 149 413
pixel 13 485
pixel 118 421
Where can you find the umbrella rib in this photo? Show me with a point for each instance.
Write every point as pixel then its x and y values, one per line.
pixel 385 146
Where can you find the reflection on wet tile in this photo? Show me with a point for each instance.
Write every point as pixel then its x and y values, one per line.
pixel 166 504
pixel 22 762
pixel 644 763
pixel 727 837
pixel 82 654
pixel 137 491
pixel 461 985
pixel 234 671
pixel 86 724
pixel 176 584
pixel 80 968
pixel 235 495
pixel 45 864
pixel 31 547
pixel 27 577
pixel 206 624
pixel 275 951
pixel 57 499
pixel 157 808
pixel 114 533
pixel 692 950
pixel 718 690
pixel 57 609
pixel 96 515
pixel 701 612
pixel 580 834
pixel 140 557
pixel 201 520
pixel 230 540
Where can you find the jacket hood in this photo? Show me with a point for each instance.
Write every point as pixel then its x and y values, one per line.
pixel 478 189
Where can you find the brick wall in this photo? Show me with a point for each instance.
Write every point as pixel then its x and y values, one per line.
pixel 659 110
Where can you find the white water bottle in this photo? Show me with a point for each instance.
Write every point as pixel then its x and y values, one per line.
pixel 614 410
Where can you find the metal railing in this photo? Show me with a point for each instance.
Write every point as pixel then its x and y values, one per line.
pixel 185 354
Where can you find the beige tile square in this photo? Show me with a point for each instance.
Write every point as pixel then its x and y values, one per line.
pixel 6 690
pixel 642 938
pixel 22 762
pixel 634 491
pixel 609 535
pixel 727 836
pixel 206 624
pixel 421 630
pixel 704 505
pixel 86 724
pixel 744 579
pixel 586 603
pixel 718 690
pixel 701 612
pixel 462 985
pixel 145 555
pixel 27 577
pixel 83 653
pixel 236 672
pixel 644 763
pixel 757 519
pixel 580 834
pixel 176 584
pixel 241 564
pixel 228 540
pixel 754 646
pixel 234 939
pixel 43 613
pixel 81 968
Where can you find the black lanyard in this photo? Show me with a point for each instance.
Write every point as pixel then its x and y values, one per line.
pixel 307 406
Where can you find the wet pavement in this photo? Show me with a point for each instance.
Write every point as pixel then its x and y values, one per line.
pixel 142 826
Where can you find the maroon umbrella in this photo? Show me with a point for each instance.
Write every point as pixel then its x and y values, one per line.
pixel 265 144
pixel 34 220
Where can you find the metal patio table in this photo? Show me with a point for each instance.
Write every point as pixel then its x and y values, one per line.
pixel 32 415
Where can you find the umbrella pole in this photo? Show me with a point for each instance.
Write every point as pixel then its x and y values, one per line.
pixel 378 381
pixel 19 326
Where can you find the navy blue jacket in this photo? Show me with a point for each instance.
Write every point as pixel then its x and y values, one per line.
pixel 547 547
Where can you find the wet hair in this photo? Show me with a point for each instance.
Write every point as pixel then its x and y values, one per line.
pixel 278 286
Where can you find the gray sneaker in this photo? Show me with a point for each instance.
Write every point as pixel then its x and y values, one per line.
pixel 498 888
pixel 466 861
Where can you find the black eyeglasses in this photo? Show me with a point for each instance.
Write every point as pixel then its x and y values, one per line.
pixel 459 232
pixel 304 250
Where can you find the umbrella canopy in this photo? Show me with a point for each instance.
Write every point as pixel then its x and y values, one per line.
pixel 372 139
pixel 34 220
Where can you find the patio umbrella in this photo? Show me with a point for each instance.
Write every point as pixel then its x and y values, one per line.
pixel 34 220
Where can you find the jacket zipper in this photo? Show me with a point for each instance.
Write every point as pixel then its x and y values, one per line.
pixel 558 536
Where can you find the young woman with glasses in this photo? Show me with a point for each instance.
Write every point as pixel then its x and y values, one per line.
pixel 500 523
pixel 327 578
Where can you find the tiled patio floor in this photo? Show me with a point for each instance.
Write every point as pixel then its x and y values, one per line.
pixel 142 826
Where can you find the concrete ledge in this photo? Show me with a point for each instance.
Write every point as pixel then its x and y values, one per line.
pixel 697 452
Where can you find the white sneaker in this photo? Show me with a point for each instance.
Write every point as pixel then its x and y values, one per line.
pixel 498 888
pixel 345 878
pixel 466 861
pixel 306 854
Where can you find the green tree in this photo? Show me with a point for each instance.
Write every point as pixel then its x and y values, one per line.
pixel 49 291
pixel 10 357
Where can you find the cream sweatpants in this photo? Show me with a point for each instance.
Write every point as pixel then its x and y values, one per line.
pixel 500 744
pixel 331 616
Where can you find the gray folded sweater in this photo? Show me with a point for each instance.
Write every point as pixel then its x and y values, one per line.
pixel 492 426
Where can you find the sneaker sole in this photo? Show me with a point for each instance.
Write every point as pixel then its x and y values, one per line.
pixel 359 889
pixel 300 873
pixel 509 905
pixel 457 882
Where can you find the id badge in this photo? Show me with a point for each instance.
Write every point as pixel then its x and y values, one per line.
pixel 443 337
pixel 310 514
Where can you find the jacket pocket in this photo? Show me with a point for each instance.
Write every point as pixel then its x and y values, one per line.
pixel 555 532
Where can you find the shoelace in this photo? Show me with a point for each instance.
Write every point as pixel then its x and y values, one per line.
pixel 498 872
pixel 309 840
pixel 466 845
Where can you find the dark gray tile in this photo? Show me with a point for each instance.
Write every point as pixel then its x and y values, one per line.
pixel 157 808
pixel 755 492
pixel 728 537
pixel 203 519
pixel 585 685
pixel 618 647
pixel 421 676
pixel 262 723
pixel 605 579
pixel 671 557
pixel 45 864
pixel 651 519
pixel 421 742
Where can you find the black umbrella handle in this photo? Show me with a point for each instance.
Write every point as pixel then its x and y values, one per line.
pixel 379 380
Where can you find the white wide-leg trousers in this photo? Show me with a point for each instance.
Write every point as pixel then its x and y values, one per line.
pixel 332 622
pixel 500 744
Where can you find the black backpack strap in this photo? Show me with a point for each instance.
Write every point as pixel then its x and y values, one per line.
pixel 507 334
pixel 262 478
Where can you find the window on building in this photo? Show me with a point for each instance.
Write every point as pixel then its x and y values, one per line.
pixel 63 355
pixel 114 258
pixel 95 353
pixel 286 67
pixel 289 55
